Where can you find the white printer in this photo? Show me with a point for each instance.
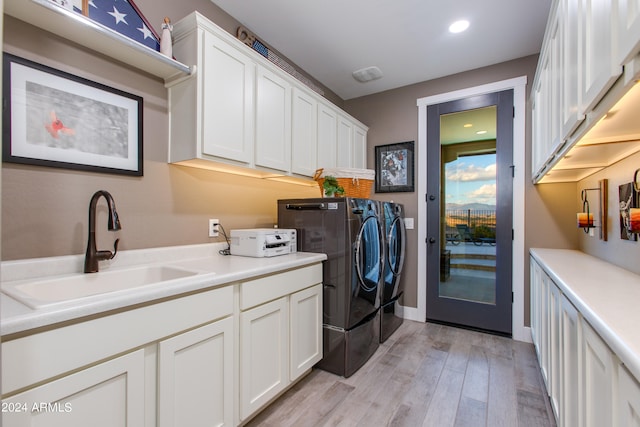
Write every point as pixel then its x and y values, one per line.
pixel 263 242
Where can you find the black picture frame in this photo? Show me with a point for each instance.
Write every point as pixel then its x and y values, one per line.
pixel 53 118
pixel 395 167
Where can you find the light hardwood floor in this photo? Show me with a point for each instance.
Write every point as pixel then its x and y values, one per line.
pixel 424 375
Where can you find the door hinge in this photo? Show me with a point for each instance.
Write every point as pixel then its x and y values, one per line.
pixel 511 296
pixel 514 111
pixel 513 171
pixel 513 234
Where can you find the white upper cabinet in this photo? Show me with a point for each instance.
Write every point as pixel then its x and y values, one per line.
pixel 598 36
pixel 241 113
pixel 628 29
pixel 273 121
pixel 345 143
pixel 359 147
pixel 570 97
pixel 588 46
pixel 327 136
pixel 227 101
pixel 304 133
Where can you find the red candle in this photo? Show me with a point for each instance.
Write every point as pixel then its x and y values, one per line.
pixel 585 220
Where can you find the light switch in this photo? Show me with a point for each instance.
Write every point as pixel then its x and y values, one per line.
pixel 408 223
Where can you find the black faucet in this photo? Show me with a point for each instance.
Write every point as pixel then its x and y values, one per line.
pixel 93 255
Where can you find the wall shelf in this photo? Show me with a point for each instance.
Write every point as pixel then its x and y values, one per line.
pixel 86 32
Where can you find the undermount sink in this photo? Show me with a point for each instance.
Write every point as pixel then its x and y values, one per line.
pixel 44 292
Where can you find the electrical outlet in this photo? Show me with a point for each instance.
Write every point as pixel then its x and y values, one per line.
pixel 214 228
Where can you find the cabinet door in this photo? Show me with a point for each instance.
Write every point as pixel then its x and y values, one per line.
pixel 535 285
pixel 600 69
pixel 359 147
pixel 570 364
pixel 227 99
pixel 345 143
pixel 544 330
pixel 306 330
pixel 555 349
pixel 273 121
pixel 628 399
pixel 541 116
pixel 304 137
pixel 628 29
pixel 264 354
pixel 327 136
pixel 110 394
pixel 571 72
pixel 195 377
pixel 596 380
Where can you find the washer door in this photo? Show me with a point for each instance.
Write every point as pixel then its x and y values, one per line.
pixel 369 258
pixel 396 241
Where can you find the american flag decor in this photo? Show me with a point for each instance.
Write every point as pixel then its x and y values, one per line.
pixel 122 16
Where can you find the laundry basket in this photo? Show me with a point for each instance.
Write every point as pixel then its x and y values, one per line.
pixel 356 182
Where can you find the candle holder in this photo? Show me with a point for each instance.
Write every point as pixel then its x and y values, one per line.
pixel 586 218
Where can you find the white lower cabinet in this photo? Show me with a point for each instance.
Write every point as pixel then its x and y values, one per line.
pixel 280 334
pixel 109 394
pixel 570 355
pixel 195 377
pixel 587 384
pixel 628 409
pixel 212 358
pixel 264 360
pixel 597 380
pixel 306 330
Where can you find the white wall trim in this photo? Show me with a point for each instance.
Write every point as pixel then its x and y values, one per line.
pixel 518 84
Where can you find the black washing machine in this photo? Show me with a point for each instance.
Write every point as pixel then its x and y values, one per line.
pixel 349 232
pixel 391 313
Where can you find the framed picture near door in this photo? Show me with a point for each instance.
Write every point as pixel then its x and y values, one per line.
pixel 395 167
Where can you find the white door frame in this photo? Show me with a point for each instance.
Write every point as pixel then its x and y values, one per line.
pixel 518 84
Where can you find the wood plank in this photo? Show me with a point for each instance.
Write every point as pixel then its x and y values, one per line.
pixel 424 374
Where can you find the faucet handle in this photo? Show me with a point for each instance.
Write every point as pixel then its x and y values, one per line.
pixel 115 248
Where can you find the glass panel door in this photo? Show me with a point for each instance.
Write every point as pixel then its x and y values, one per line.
pixel 469 212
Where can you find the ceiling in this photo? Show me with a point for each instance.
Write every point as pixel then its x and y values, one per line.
pixel 407 39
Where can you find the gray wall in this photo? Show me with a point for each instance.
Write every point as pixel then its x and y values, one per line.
pixel 392 116
pixel 624 253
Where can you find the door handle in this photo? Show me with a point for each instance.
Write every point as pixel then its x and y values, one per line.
pixel 432 240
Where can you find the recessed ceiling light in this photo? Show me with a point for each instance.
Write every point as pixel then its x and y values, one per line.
pixel 459 26
pixel 481 132
pixel 467 125
pixel 367 74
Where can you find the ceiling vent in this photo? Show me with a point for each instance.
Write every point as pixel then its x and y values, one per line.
pixel 367 74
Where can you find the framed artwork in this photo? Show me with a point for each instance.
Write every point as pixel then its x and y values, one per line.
pixel 123 17
pixel 395 167
pixel 52 118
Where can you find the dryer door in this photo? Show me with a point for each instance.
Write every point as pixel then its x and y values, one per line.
pixel 369 260
pixel 396 242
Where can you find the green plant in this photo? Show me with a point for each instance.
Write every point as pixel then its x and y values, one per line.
pixel 331 187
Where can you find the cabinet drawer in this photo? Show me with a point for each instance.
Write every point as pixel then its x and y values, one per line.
pixel 71 347
pixel 259 291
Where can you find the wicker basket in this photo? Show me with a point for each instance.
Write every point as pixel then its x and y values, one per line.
pixel 356 182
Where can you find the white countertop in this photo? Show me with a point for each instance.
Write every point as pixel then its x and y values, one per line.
pixel 213 270
pixel 607 296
